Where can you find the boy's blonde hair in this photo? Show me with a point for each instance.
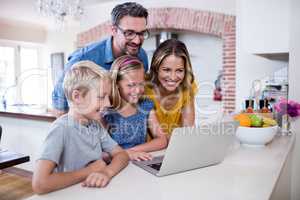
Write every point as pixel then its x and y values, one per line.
pixel 121 66
pixel 83 76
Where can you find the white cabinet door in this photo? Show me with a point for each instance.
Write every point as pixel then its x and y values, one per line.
pixel 265 25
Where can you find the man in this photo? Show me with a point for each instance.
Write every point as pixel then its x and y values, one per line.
pixel 128 31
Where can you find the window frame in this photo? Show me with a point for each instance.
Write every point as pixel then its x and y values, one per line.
pixel 17 45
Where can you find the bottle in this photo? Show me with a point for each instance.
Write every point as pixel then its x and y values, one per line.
pixel 249 110
pixel 265 110
pixel 263 106
pixel 249 106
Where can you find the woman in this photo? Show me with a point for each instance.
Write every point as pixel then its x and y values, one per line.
pixel 171 85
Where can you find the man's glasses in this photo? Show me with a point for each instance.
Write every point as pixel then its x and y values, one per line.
pixel 130 34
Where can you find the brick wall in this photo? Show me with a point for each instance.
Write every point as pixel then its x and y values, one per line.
pixel 183 19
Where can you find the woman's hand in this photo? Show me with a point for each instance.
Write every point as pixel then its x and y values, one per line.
pixel 138 155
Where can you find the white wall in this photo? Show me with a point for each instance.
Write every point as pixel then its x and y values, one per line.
pixel 61 41
pixel 101 12
pixel 266 28
pixel 57 41
pixel 205 53
pixel 206 57
pixel 294 91
pixel 207 60
pixel 21 31
pixel 249 67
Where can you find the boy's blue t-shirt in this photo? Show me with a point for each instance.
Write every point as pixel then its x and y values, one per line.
pixel 73 146
pixel 132 130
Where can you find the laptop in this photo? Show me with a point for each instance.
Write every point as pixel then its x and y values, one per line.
pixel 193 147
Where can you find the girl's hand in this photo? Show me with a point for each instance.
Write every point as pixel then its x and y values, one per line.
pixel 98 180
pixel 138 155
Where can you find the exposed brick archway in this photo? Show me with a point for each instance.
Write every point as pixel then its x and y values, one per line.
pixel 184 19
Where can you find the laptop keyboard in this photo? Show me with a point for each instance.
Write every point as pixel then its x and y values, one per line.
pixel 155 166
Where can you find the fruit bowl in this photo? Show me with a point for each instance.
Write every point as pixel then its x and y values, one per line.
pixel 252 136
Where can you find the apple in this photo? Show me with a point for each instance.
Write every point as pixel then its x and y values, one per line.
pixel 256 121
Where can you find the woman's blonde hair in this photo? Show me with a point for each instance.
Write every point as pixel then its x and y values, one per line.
pixel 83 76
pixel 121 66
pixel 165 49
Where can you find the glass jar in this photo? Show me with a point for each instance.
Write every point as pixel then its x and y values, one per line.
pixel 285 125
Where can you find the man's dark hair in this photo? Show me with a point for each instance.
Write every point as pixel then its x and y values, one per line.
pixel 127 9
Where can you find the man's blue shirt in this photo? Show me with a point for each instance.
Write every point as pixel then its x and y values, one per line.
pixel 101 54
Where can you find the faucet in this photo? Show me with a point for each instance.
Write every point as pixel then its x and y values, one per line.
pixel 4 102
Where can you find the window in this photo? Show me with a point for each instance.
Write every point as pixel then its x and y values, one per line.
pixel 7 64
pixel 22 79
pixel 7 72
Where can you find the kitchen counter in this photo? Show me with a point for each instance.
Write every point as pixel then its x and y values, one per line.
pixel 27 112
pixel 247 173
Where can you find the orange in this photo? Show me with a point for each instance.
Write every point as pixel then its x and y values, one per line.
pixel 244 119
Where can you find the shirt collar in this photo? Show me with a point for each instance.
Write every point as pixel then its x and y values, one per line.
pixel 109 57
pixel 90 128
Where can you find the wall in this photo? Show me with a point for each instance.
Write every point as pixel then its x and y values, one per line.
pixel 100 13
pixel 95 17
pixel 189 20
pixel 206 56
pixel 57 41
pixel 268 24
pixel 22 31
pixel 249 66
pixel 294 91
pixel 60 41
pixel 65 40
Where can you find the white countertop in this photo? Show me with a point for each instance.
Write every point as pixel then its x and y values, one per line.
pixel 247 173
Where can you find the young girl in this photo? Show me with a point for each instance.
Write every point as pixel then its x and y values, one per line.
pixel 134 114
pixel 171 85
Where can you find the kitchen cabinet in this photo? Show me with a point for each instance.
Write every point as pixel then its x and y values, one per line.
pixel 265 27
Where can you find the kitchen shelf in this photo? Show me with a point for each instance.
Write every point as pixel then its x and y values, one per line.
pixel 283 56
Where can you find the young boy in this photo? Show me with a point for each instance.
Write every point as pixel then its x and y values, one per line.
pixel 72 151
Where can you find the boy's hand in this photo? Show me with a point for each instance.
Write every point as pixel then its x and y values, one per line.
pixel 96 180
pixel 97 166
pixel 138 155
